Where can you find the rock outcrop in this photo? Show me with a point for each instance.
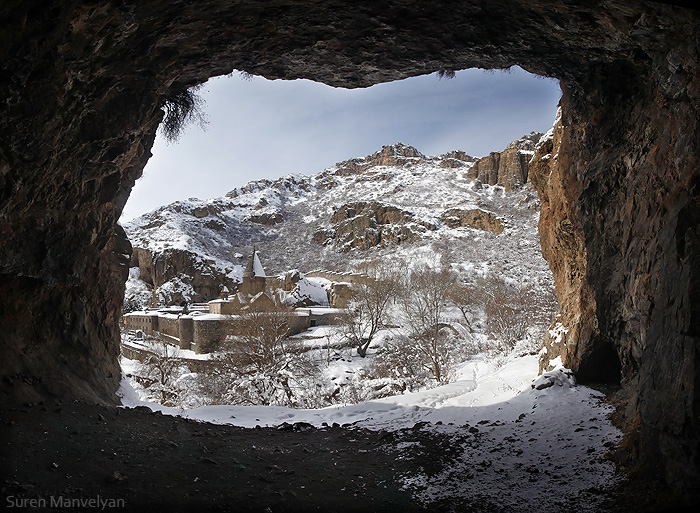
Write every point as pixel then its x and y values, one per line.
pixel 82 85
pixel 456 159
pixel 181 276
pixel 397 155
pixel 474 217
pixel 364 225
pixel 508 168
pixel 266 218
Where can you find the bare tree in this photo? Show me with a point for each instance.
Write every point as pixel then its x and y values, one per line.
pixel 425 298
pixel 260 338
pixel 464 298
pixel 163 367
pixel 368 307
pixel 259 364
pixel 514 310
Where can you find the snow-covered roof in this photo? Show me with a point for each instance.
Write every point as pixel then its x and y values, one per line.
pixel 212 317
pixel 324 311
pixel 254 267
pixel 152 313
pixel 258 270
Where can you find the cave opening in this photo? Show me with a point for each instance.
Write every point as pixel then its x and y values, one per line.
pixel 81 84
pixel 256 128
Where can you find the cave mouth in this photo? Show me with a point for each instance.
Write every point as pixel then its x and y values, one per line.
pixel 81 88
pixel 601 366
pixel 483 111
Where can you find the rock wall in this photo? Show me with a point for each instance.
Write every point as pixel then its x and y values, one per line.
pixel 620 228
pixel 475 217
pixel 508 168
pixel 202 282
pixel 209 334
pixel 82 85
pixel 364 225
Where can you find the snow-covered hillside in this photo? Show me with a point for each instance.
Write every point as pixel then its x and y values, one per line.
pixel 396 204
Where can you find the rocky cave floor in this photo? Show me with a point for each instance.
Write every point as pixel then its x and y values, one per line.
pixel 74 450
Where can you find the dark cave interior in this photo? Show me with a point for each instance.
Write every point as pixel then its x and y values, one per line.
pixel 83 83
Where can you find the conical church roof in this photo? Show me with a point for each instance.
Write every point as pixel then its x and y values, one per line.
pixel 254 269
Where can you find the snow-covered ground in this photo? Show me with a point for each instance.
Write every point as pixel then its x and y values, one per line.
pixel 525 443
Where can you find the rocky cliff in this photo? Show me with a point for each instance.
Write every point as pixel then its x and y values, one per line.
pixel 474 217
pixel 509 167
pixel 620 228
pixel 83 83
pixel 365 225
pixel 181 276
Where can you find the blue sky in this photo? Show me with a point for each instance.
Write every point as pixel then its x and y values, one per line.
pixel 266 129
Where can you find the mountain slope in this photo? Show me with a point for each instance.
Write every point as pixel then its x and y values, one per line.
pixel 396 204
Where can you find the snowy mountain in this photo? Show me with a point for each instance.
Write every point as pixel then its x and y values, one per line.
pixel 478 215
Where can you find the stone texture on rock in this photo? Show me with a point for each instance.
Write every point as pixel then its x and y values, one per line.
pixel 82 85
pixel 619 226
pixel 364 225
pixel 204 282
pixel 475 217
pixel 266 218
pixel 393 155
pixel 508 168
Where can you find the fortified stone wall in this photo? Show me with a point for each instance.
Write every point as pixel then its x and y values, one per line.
pixel 170 325
pixel 186 331
pixel 298 323
pixel 209 333
pixel 136 353
pixel 148 323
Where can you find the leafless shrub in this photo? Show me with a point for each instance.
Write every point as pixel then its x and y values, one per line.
pixel 399 360
pixel 514 312
pixel 367 311
pixel 465 298
pixel 162 367
pixel 180 110
pixel 260 365
pixel 368 388
pixel 446 74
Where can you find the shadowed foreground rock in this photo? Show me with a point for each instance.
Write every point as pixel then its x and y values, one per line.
pixel 82 85
pixel 75 451
pixel 137 459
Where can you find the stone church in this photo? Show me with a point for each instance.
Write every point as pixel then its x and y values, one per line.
pixel 254 278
